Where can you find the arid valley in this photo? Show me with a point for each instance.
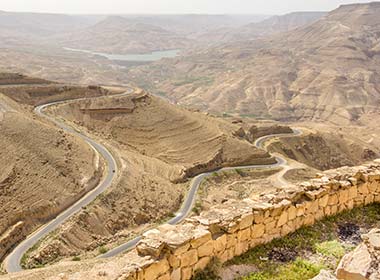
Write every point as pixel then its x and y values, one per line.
pixel 142 146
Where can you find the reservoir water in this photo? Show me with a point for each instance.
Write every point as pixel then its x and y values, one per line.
pixel 147 57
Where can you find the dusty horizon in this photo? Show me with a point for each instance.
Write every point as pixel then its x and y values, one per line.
pixel 171 7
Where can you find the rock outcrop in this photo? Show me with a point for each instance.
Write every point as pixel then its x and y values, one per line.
pixel 364 262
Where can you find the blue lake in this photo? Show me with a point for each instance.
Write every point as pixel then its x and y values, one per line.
pixel 147 57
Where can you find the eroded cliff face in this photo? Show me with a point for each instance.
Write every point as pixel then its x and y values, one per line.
pixel 325 150
pixel 230 229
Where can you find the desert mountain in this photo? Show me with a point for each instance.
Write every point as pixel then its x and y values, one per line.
pixel 328 70
pixel 159 146
pixel 275 24
pixel 40 172
pixel 269 26
pixel 34 26
pixel 120 35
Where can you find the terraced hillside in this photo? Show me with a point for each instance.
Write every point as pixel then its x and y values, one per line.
pixel 159 147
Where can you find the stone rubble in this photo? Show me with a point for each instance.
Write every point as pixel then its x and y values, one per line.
pixel 232 228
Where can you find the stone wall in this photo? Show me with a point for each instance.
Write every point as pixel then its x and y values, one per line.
pixel 232 228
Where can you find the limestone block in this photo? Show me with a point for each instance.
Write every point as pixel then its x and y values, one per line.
pixel 241 248
pixel 323 201
pixel 374 177
pixel 269 220
pixel 298 222
pixel 244 234
pixel 345 184
pixel 165 277
pixel 283 219
pixel 202 263
pixel 286 229
pixel 186 273
pixel 334 209
pixel 343 196
pixel 292 213
pixel 206 249
pixel 258 217
pixel 176 274
pixel 174 261
pixel 373 239
pixel 223 257
pixel 270 226
pixel 341 208
pixel 156 269
pixel 182 249
pixel 353 181
pixel 319 215
pixel 246 221
pixel 231 240
pixel 201 237
pixel 300 210
pixel 353 192
pixel 257 231
pixel 363 189
pixel 309 220
pixel 333 200
pixel 220 243
pixel 373 187
pixel 311 206
pixel 279 207
pixel 189 258
pixel 259 206
pixel 232 227
pixel 355 265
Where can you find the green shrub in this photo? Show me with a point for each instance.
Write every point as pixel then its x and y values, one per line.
pixel 103 250
pixel 330 249
pixel 76 259
pixel 300 269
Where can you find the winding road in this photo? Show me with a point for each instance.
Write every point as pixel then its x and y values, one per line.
pixel 12 262
pixel 187 205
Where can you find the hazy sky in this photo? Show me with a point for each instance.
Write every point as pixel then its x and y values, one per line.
pixel 172 6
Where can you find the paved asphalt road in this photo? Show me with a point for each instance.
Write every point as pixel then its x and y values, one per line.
pixel 187 205
pixel 12 262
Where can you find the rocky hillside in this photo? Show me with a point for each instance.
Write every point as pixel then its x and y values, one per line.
pixel 26 27
pixel 328 70
pixel 120 35
pixel 325 150
pixel 40 172
pixel 153 127
pixel 266 27
pixel 159 146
